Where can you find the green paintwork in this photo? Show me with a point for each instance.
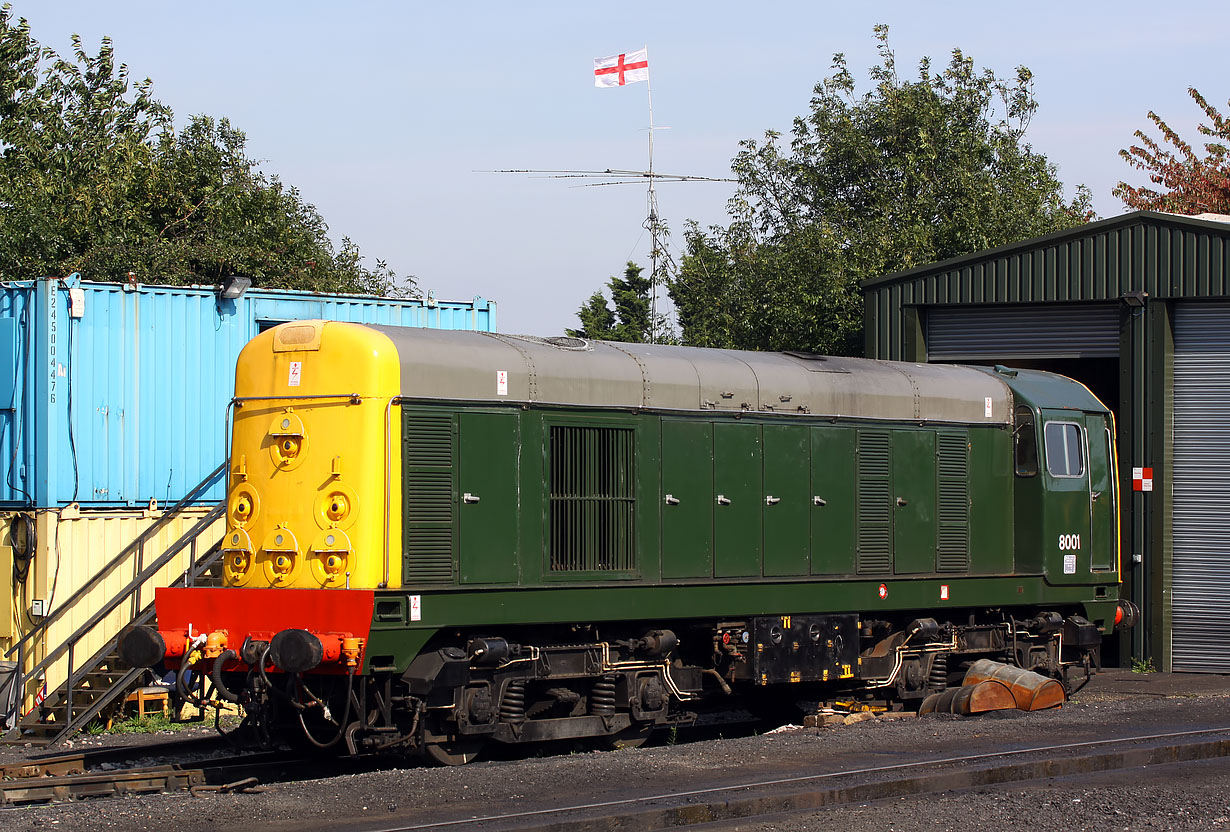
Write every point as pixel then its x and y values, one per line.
pixel 687 477
pixel 993 527
pixel 1103 523
pixel 913 501
pixel 739 503
pixel 698 559
pixel 490 471
pixel 787 480
pixel 858 471
pixel 1065 511
pixel 429 470
pixel 832 470
pixel 670 601
pixel 874 513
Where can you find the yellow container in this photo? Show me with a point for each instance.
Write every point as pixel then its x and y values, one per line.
pixel 71 549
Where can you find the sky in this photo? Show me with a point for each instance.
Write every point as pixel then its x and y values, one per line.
pixel 389 116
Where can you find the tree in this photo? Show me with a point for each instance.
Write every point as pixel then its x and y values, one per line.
pixel 1193 184
pixel 94 178
pixel 909 173
pixel 629 321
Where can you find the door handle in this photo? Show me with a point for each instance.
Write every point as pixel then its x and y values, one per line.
pixel 470 498
pixel 770 500
pixel 1095 495
pixel 818 501
pixel 672 500
pixel 723 500
pixel 901 501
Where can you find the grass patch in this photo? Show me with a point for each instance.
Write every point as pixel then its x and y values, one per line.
pixel 148 724
pixel 1143 666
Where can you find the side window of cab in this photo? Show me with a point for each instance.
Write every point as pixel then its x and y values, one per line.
pixel 1065 450
pixel 1025 443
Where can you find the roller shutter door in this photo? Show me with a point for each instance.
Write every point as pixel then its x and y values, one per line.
pixel 1201 599
pixel 989 333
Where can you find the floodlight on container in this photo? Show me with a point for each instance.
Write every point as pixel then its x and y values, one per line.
pixel 234 286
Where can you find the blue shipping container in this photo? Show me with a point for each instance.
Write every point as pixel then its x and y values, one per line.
pixel 118 393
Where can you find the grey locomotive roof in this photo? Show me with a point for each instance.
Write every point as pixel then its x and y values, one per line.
pixel 456 365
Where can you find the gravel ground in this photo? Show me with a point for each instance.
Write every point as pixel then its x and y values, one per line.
pixel 1179 797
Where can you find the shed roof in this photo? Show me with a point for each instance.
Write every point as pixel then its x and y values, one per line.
pixel 1218 224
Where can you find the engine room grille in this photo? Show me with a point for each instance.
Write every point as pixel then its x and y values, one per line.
pixel 429 469
pixel 875 552
pixel 952 550
pixel 593 499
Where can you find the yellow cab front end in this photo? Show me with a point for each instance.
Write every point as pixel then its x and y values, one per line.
pixel 312 500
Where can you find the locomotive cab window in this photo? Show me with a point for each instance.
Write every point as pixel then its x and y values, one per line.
pixel 1025 443
pixel 593 499
pixel 1065 452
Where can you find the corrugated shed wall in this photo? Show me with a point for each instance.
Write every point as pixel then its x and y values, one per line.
pixel 1168 257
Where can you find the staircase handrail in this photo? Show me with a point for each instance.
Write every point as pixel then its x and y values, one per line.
pixel 55 615
pixel 76 720
pixel 124 594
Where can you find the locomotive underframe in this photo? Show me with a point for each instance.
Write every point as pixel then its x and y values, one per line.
pixel 620 681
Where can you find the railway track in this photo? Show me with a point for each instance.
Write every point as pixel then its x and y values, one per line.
pixel 79 762
pixel 745 801
pixel 741 800
pixel 79 775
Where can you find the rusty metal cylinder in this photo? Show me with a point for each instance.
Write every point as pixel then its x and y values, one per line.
pixel 1031 691
pixel 991 695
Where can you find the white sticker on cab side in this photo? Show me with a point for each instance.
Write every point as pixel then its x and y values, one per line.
pixel 416 607
pixel 295 374
pixel 501 382
pixel 986 405
pixel 1069 564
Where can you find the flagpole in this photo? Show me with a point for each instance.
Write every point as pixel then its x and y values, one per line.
pixel 653 218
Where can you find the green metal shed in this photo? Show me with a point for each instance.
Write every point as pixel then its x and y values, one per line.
pixel 1138 308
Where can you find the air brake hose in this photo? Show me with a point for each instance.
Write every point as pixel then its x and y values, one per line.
pixel 341 727
pixel 216 676
pixel 181 684
pixel 290 678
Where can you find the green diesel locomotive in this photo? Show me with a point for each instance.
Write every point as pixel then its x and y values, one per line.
pixel 438 540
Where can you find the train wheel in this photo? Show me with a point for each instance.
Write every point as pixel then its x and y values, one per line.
pixel 449 750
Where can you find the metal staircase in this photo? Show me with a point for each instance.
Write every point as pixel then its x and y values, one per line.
pixel 101 680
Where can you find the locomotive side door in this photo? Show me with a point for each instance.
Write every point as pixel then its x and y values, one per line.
pixel 834 508
pixel 738 511
pixel 787 499
pixel 1066 509
pixel 1104 521
pixel 490 467
pixel 913 501
pixel 687 499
